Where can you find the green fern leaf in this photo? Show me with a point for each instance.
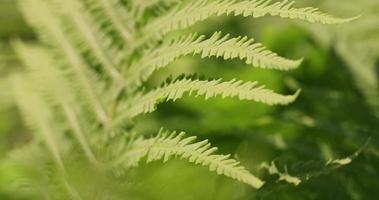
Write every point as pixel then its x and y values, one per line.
pixel 188 14
pixel 217 45
pixel 242 90
pixel 39 14
pixel 49 78
pixel 73 10
pixel 167 145
pixel 37 115
pixel 55 85
pixel 113 27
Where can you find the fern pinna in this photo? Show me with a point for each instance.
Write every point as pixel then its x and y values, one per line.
pixel 83 85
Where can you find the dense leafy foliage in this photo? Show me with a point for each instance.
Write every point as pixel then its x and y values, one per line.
pixel 90 84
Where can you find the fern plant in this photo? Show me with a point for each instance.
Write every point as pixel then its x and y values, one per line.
pixel 84 84
pixel 357 46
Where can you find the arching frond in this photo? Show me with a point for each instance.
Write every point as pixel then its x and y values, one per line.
pixel 40 15
pixel 188 14
pixel 242 90
pixel 167 145
pixel 87 32
pixel 217 45
pixel 37 115
pixel 45 72
pixel 48 78
pixel 114 28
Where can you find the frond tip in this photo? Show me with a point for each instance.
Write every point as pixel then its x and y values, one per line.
pixel 167 145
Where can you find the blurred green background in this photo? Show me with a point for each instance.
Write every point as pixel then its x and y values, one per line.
pixel 334 116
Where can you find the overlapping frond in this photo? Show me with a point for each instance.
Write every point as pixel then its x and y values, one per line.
pixel 190 13
pixel 49 78
pixel 37 115
pixel 88 34
pixel 111 27
pixel 217 45
pixel 146 103
pixel 167 145
pixel 52 82
pixel 39 14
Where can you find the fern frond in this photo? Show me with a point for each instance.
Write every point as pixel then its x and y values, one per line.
pixel 73 10
pixel 167 145
pixel 45 72
pixel 303 171
pixel 114 28
pixel 183 16
pixel 39 14
pixel 217 45
pixel 146 103
pixel 283 176
pixel 52 81
pixel 37 115
pixel 38 172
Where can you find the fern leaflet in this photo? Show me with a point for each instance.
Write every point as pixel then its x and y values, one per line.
pixel 183 16
pixel 242 90
pixel 217 45
pixel 166 145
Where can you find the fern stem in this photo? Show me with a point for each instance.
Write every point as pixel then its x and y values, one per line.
pixel 71 116
pixel 51 144
pixel 78 65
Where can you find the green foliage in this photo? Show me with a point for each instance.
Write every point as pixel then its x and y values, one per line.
pixel 217 45
pixel 357 45
pixel 86 85
pixel 167 145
